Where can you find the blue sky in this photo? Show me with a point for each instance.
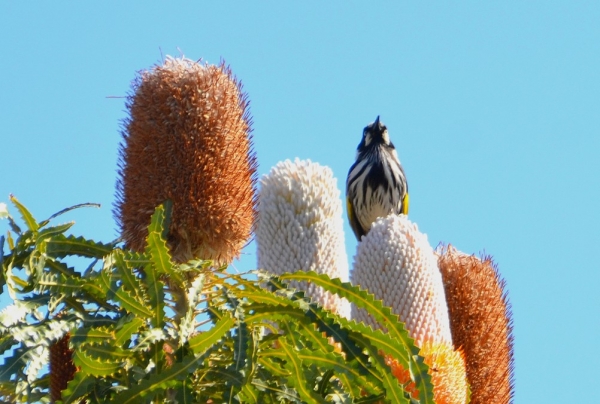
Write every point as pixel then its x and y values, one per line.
pixel 494 108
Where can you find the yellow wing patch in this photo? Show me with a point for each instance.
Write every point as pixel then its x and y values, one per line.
pixel 405 204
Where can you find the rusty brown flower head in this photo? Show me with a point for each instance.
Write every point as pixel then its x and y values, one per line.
pixel 481 324
pixel 62 368
pixel 187 140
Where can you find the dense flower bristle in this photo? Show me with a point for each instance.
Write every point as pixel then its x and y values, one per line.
pixel 187 140
pixel 481 324
pixel 300 226
pixel 395 262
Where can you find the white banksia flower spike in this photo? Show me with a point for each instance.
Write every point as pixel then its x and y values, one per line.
pixel 300 226
pixel 395 262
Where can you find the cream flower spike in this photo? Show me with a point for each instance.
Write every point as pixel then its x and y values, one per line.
pixel 300 226
pixel 395 262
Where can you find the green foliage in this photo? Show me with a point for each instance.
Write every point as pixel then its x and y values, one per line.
pixel 146 329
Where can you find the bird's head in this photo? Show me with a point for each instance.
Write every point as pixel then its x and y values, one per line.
pixel 375 134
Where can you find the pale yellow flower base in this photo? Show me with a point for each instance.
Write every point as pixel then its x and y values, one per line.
pixel 448 373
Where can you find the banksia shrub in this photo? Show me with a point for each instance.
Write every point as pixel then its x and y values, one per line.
pixel 131 346
pixel 300 226
pixel 187 140
pixel 481 324
pixel 62 368
pixel 395 262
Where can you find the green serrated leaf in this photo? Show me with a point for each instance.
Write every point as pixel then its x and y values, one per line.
pixel 305 329
pixel 203 341
pixel 296 379
pixel 239 366
pixel 129 280
pixel 96 366
pixel 170 378
pixel 240 346
pixel 131 292
pixel 394 392
pixel 134 304
pixel 156 245
pixel 53 231
pixel 262 296
pixel 127 330
pixel 380 340
pixel 384 316
pixel 105 351
pixel 160 263
pixel 342 368
pixel 266 360
pixel 77 388
pixel 61 267
pixel 135 259
pixel 249 394
pixel 95 335
pixel 277 394
pixel 57 283
pixel 158 251
pixel 25 214
pixel 61 246
pixel 101 286
pixel 10 240
pixel 156 297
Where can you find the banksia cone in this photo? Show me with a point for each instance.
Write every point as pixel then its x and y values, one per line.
pixel 62 369
pixel 187 140
pixel 481 324
pixel 300 226
pixel 395 262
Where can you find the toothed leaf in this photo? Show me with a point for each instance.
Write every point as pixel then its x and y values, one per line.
pixel 31 223
pixel 61 246
pixel 296 379
pixel 384 316
pixel 127 330
pixel 96 366
pixel 53 231
pixel 201 342
pixel 77 388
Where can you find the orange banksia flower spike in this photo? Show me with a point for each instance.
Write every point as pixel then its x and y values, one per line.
pixel 188 140
pixel 480 319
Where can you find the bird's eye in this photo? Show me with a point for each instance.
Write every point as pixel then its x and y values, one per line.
pixel 385 135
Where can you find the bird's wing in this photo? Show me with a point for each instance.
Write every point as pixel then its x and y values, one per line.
pixel 356 227
pixel 405 204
